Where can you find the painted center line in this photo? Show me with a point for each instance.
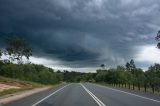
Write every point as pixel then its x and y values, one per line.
pixel 49 95
pixel 100 103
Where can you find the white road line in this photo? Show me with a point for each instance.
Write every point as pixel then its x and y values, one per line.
pixel 49 95
pixel 100 103
pixel 129 93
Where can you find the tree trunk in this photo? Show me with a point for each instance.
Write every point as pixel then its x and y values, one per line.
pixel 153 88
pixel 139 88
pixel 145 88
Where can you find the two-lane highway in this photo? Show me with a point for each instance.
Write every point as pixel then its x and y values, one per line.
pixel 71 95
pixel 86 94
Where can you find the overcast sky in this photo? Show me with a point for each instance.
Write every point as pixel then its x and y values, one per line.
pixel 82 34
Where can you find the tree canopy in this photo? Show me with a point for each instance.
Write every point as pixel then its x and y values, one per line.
pixel 158 39
pixel 17 48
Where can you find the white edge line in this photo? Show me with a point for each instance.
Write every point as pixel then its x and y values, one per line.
pixel 129 93
pixel 49 95
pixel 100 103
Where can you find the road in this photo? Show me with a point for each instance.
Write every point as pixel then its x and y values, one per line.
pixel 86 94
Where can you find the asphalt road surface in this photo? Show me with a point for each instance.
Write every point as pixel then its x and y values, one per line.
pixel 86 94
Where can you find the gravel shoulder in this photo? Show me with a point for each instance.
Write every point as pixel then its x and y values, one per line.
pixel 12 97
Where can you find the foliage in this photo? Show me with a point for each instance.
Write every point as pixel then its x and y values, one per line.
pixel 102 66
pixel 130 75
pixel 72 76
pixel 158 39
pixel 30 72
pixel 17 48
pixel 121 75
pixel 0 53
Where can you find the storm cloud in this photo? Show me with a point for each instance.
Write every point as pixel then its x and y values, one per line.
pixel 82 33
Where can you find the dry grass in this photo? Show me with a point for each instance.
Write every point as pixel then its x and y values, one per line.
pixel 13 85
pixel 148 90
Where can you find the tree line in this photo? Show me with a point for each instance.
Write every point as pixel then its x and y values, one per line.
pixel 131 77
pixel 15 66
pixel 30 72
pixel 128 76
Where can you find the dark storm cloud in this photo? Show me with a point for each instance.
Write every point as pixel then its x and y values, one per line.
pixel 83 32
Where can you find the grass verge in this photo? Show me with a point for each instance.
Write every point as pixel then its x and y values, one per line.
pixel 149 90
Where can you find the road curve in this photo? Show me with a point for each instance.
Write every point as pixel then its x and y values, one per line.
pixel 85 94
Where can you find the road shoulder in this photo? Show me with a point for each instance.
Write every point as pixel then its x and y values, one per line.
pixel 16 96
pixel 135 92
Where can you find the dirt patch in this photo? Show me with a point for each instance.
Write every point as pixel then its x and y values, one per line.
pixel 7 87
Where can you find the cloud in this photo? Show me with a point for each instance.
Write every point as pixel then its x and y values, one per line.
pixel 57 65
pixel 82 33
pixel 148 53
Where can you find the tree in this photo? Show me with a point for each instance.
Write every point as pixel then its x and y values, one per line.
pixel 103 66
pixel 129 78
pixel 153 76
pixel 122 75
pixel 0 53
pixel 132 65
pixel 133 71
pixel 100 77
pixel 158 39
pixel 17 48
pixel 128 66
pixel 132 68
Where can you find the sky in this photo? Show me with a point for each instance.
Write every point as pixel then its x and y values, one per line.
pixel 82 34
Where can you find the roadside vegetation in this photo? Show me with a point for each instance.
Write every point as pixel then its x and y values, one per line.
pixel 30 72
pixel 14 85
pixel 131 77
pixel 17 73
pixel 17 65
pixel 127 76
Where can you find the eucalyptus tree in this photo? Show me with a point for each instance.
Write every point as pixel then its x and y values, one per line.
pixel 102 66
pixel 17 48
pixel 153 76
pixel 158 39
pixel 0 53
